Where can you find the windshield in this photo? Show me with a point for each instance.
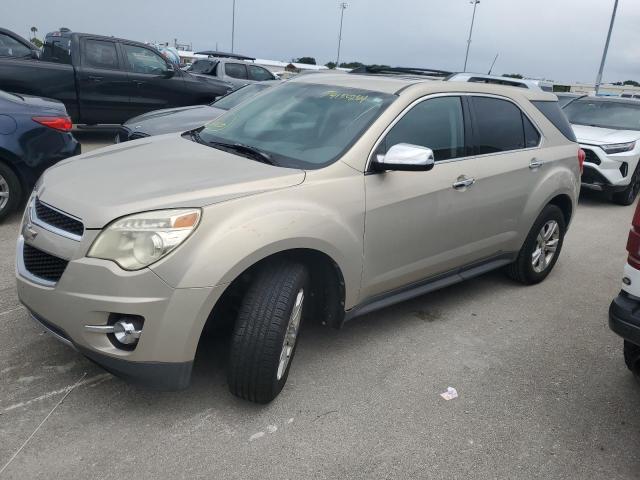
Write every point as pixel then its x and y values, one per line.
pixel 237 97
pixel 299 125
pixel 598 113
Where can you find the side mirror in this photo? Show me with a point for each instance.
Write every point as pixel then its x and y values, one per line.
pixel 171 71
pixel 405 157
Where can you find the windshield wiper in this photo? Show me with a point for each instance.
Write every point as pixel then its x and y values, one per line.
pixel 242 149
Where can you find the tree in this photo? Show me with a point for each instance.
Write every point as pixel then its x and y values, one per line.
pixel 305 60
pixel 351 65
pixel 633 83
pixel 37 42
pixel 513 75
pixel 330 65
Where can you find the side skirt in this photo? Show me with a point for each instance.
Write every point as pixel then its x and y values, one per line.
pixel 430 284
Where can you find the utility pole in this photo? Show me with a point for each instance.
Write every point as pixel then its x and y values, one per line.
pixel 606 47
pixel 233 27
pixel 473 18
pixel 343 6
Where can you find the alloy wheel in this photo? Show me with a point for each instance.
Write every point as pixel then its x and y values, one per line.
pixel 4 192
pixel 291 334
pixel 546 246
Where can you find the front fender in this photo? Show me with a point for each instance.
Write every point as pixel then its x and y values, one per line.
pixel 237 234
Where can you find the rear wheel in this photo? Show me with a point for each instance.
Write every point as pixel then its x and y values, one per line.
pixel 632 358
pixel 10 191
pixel 541 249
pixel 266 331
pixel 629 194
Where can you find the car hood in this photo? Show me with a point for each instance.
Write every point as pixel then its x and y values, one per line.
pixel 603 136
pixel 172 120
pixel 168 171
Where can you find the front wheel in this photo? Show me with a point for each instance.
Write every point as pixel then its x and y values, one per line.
pixel 266 331
pixel 541 248
pixel 10 191
pixel 629 194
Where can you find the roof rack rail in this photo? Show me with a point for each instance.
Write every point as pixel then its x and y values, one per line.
pixel 213 53
pixel 380 70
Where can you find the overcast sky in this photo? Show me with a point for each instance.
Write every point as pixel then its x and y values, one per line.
pixel 555 39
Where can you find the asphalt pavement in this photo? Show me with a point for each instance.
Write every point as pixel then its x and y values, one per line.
pixel 543 390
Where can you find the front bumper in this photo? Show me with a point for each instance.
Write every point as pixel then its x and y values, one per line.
pixel 608 173
pixel 91 291
pixel 624 317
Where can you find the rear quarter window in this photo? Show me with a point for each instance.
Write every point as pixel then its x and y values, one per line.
pixel 551 110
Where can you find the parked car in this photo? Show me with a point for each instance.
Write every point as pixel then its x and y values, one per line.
pixel 624 312
pixel 323 199
pixel 35 133
pixel 608 130
pixel 185 118
pixel 630 95
pixel 235 69
pixel 104 79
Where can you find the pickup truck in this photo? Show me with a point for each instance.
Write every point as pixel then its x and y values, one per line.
pixel 101 80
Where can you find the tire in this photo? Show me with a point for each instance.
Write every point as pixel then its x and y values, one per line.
pixel 273 306
pixel 629 194
pixel 523 269
pixel 10 191
pixel 632 358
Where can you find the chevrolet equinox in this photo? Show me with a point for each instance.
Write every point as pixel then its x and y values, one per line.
pixel 321 199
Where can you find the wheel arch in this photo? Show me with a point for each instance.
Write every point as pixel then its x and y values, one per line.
pixel 564 203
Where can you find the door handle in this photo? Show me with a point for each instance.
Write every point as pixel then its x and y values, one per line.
pixel 139 83
pixel 535 163
pixel 463 182
pixel 94 78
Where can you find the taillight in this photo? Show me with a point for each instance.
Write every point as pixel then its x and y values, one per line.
pixel 582 156
pixel 633 242
pixel 62 124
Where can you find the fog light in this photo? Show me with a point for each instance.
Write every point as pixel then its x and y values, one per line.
pixel 125 332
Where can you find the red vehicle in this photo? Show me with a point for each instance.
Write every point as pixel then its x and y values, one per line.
pixel 624 312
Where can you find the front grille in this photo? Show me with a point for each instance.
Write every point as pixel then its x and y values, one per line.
pixel 591 156
pixel 58 219
pixel 593 177
pixel 43 265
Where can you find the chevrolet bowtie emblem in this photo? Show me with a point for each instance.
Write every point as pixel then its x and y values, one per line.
pixel 28 232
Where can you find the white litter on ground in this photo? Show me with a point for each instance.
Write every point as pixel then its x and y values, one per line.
pixel 450 394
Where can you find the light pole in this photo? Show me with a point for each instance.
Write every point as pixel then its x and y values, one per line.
pixel 606 47
pixel 343 6
pixel 473 18
pixel 233 27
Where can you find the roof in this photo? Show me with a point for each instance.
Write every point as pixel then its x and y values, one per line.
pixel 393 84
pixel 213 53
pixel 631 101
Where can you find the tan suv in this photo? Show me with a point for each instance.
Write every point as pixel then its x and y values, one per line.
pixel 322 199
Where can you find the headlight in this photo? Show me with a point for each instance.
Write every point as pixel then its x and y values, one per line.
pixel 137 241
pixel 618 147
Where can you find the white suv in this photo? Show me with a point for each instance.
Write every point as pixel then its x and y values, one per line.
pixel 608 130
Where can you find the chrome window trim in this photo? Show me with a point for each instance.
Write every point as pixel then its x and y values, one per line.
pixel 22 269
pixel 33 217
pixel 456 94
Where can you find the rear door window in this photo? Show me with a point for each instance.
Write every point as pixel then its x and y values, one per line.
pixel 235 70
pixel 437 123
pixel 498 125
pixel 100 54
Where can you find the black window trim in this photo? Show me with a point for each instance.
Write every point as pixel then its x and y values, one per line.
pixel 83 54
pixel 469 133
